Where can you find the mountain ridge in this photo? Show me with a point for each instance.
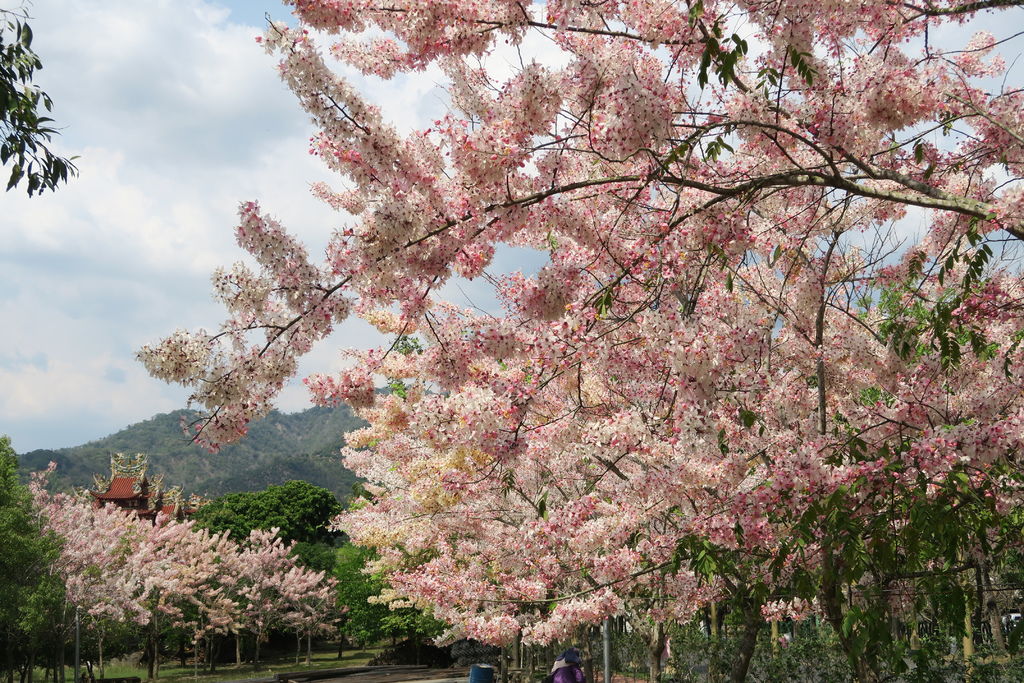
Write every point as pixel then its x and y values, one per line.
pixel 278 448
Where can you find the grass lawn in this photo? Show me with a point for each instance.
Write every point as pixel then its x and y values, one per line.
pixel 325 658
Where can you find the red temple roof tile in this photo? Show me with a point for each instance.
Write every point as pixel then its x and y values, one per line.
pixel 120 488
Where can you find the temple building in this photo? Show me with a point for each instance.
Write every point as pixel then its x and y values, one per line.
pixel 129 488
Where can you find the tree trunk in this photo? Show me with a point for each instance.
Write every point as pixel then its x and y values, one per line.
pixel 995 622
pixel 298 647
pixel 256 656
pixel 60 659
pixel 864 666
pixel 751 625
pixel 238 649
pixel 9 655
pixel 309 649
pixel 148 650
pixel 99 647
pixel 968 643
pixel 156 654
pixel 31 665
pixel 588 663
pixel 655 649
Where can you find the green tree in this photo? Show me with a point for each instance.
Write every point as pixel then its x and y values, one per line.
pixel 365 620
pixel 300 510
pixel 29 594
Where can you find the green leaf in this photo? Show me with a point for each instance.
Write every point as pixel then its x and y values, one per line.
pixel 848 620
pixel 398 388
pixel 16 174
pixel 806 71
pixel 676 562
pixel 696 11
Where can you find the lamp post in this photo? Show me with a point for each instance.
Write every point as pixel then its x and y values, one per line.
pixel 77 679
pixel 607 649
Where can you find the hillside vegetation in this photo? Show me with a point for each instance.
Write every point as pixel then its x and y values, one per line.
pixel 281 447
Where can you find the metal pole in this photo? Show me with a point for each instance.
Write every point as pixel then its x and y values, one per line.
pixel 77 640
pixel 607 649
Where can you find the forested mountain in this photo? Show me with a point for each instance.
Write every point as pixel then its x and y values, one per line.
pixel 279 448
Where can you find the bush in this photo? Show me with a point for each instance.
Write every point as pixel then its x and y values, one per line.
pixel 813 656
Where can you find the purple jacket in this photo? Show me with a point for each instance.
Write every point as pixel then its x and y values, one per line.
pixel 570 673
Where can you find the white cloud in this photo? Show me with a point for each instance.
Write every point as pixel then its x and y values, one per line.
pixel 176 115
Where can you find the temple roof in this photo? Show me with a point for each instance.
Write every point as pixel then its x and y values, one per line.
pixel 129 488
pixel 123 488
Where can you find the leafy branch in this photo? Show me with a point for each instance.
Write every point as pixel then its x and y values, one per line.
pixel 24 129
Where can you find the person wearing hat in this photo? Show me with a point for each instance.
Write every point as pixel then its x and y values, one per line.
pixel 567 668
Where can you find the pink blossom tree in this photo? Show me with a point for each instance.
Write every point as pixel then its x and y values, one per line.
pixel 187 579
pixel 310 598
pixel 117 567
pixel 265 561
pixel 729 377
pixel 96 545
pixel 210 586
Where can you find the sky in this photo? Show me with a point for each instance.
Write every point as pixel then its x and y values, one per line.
pixel 176 115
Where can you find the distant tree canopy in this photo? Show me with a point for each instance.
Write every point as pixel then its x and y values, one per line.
pixel 302 512
pixel 24 130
